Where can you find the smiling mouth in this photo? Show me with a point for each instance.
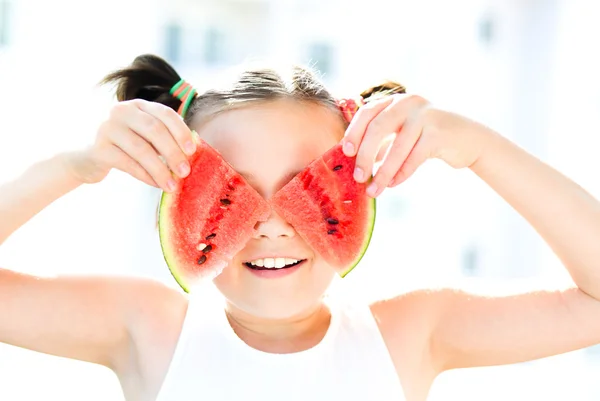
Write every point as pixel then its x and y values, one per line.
pixel 273 265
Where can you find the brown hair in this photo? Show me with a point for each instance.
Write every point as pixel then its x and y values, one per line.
pixel 151 78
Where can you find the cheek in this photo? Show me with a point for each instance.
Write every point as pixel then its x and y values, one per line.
pixel 322 271
pixel 227 278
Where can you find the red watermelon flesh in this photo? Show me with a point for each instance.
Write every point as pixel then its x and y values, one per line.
pixel 209 219
pixel 329 209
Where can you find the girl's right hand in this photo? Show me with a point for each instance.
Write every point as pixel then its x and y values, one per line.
pixel 134 138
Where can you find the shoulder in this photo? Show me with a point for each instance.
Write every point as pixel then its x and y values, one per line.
pixel 406 323
pixel 152 302
pixel 156 313
pixel 408 315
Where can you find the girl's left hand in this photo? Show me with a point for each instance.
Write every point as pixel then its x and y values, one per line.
pixel 421 132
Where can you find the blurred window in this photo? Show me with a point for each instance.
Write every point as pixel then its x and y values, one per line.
pixel 487 30
pixel 470 261
pixel 321 55
pixel 4 22
pixel 214 46
pixel 173 42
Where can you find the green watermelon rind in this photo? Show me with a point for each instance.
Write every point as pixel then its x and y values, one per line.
pixel 365 247
pixel 163 234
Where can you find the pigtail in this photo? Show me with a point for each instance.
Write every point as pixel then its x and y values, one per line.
pixel 149 77
pixel 384 89
pixel 349 107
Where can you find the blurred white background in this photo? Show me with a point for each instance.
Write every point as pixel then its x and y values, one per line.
pixel 528 68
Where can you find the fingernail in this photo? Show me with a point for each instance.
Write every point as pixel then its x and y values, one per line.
pixel 171 185
pixel 358 174
pixel 373 190
pixel 189 148
pixel 348 148
pixel 184 169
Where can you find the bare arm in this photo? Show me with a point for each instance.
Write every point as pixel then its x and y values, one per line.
pixel 38 187
pixel 94 319
pixel 473 330
pixel 83 318
pixel 564 214
pixel 60 316
pixel 462 329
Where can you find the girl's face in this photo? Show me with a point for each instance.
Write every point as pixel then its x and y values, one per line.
pixel 269 143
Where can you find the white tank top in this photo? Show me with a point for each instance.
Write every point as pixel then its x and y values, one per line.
pixel 212 363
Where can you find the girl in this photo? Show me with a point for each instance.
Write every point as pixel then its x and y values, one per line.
pixel 274 337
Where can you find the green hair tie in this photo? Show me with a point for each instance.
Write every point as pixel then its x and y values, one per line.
pixel 186 104
pixel 183 91
pixel 176 86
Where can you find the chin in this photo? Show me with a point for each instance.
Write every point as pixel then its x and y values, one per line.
pixel 278 295
pixel 287 309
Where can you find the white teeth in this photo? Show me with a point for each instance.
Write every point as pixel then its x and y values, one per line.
pixel 276 263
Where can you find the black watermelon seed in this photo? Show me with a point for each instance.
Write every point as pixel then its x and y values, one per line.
pixel 207 249
pixel 230 187
pixel 331 231
pixel 226 201
pixel 338 167
pixel 211 236
pixel 202 259
pixel 331 220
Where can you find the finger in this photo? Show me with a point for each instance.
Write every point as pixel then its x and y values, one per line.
pixel 418 155
pixel 174 123
pixel 156 133
pixel 143 153
pixel 399 151
pixel 121 161
pixel 386 123
pixel 359 124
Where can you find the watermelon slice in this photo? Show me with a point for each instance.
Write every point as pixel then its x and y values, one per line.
pixel 330 210
pixel 209 219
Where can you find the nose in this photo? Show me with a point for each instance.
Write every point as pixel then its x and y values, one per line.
pixel 274 227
